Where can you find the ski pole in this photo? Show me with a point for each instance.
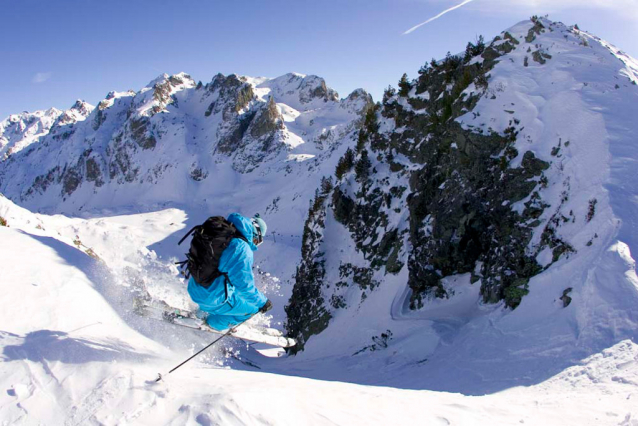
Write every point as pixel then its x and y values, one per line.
pixel 232 329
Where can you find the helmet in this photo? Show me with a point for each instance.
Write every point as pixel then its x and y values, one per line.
pixel 259 226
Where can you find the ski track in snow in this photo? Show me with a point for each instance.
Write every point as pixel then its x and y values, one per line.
pixel 74 354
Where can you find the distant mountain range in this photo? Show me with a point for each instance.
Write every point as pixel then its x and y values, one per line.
pixel 174 129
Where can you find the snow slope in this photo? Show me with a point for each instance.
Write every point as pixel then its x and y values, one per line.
pixel 72 355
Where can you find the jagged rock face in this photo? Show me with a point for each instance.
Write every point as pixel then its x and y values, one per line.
pixel 306 319
pixel 234 94
pixel 268 121
pixel 430 194
pixel 251 126
pixel 460 215
pixel 179 131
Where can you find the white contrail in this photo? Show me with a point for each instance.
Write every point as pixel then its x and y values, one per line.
pixel 437 16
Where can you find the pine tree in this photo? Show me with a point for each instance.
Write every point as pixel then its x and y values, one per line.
pixel 424 69
pixel 326 185
pixel 479 47
pixel 404 86
pixel 370 123
pixel 345 164
pixel 481 81
pixel 469 52
pixel 388 93
pixel 362 168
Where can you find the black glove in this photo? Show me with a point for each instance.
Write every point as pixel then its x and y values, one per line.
pixel 267 306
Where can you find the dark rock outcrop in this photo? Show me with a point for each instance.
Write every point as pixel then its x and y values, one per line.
pixel 454 185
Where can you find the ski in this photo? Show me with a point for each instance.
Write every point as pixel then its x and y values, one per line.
pixel 159 310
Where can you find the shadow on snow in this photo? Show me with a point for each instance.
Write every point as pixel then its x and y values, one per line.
pixel 50 345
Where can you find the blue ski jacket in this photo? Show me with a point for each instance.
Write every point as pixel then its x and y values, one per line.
pixel 237 262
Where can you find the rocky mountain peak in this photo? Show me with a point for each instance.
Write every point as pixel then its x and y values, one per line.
pixel 157 80
pixel 268 120
pixel 78 112
pixel 300 91
pixel 82 107
pixel 359 100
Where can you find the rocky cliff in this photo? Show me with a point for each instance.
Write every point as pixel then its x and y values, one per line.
pixel 475 168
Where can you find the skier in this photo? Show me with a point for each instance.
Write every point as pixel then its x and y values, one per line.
pixel 232 297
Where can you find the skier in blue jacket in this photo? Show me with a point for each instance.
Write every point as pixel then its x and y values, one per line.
pixel 243 299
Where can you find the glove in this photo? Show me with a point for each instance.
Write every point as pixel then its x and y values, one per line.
pixel 201 314
pixel 267 306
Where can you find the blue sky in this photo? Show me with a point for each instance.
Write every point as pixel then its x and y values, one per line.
pixel 56 51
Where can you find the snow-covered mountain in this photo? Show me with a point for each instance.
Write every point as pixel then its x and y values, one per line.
pixel 172 140
pixel 471 233
pixel 18 131
pixel 489 203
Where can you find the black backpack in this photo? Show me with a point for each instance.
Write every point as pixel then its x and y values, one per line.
pixel 210 239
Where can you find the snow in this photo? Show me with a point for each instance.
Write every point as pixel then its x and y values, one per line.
pixel 18 131
pixel 299 157
pixel 71 355
pixel 74 353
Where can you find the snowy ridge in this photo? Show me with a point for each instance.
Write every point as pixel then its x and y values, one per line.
pixel 18 131
pixel 631 70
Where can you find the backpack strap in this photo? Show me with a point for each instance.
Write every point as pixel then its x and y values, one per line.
pixel 240 236
pixel 194 228
pixel 224 274
pixel 182 265
pixel 226 281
